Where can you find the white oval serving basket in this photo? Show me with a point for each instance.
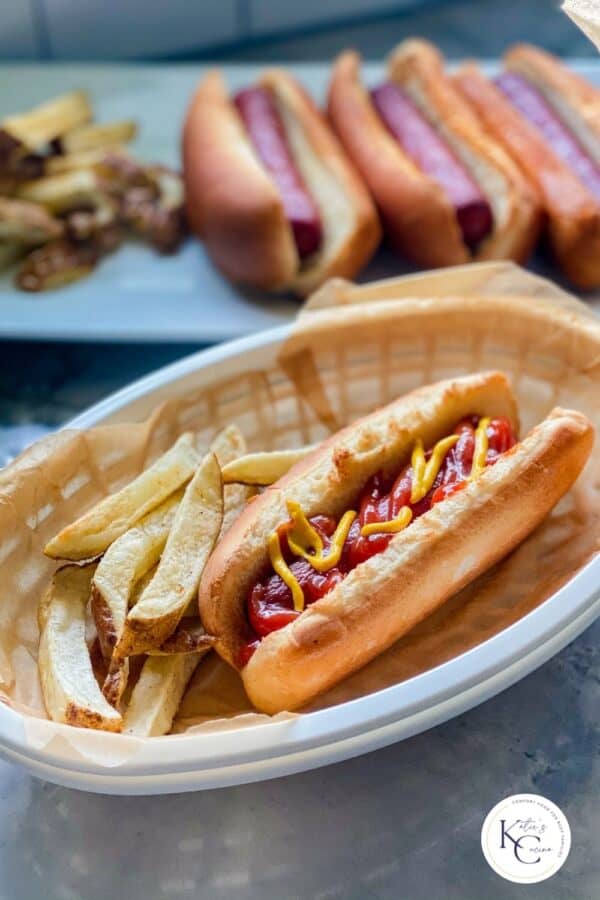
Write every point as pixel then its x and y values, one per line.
pixel 183 762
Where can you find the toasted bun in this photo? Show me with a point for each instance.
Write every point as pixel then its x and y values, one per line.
pixel 573 213
pixel 235 207
pixel 231 201
pixel 418 67
pixel 328 481
pixel 386 596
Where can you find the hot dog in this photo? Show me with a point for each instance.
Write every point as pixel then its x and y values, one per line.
pixel 377 528
pixel 446 192
pixel 544 116
pixel 269 189
pixel 434 158
pixel 263 124
pixel 531 104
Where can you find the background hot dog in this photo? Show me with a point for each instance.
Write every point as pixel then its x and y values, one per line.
pixel 257 108
pixel 458 169
pixel 433 157
pixel 520 115
pixel 525 97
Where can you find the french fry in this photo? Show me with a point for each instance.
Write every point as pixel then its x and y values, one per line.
pixel 55 264
pixel 158 693
pixel 23 222
pixel 127 559
pixel 81 159
pixel 70 690
pixel 98 137
pixel 90 535
pixel 229 445
pixel 50 120
pixel 192 537
pixel 64 191
pixel 262 469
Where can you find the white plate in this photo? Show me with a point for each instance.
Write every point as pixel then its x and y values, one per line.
pixel 135 295
pixel 315 739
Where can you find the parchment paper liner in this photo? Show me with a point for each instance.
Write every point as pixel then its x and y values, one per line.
pixel 352 349
pixel 585 14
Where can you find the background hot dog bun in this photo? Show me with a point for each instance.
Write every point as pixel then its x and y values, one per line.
pixel 234 205
pixel 573 213
pixel 423 566
pixel 574 99
pixel 418 215
pixel 328 480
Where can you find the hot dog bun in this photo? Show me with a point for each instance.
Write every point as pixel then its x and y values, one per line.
pixel 234 205
pixel 423 566
pixel 383 598
pixel 418 216
pixel 573 213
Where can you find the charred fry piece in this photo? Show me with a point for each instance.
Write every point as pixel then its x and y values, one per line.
pixel 71 693
pixel 188 637
pixel 263 468
pixel 158 693
pixel 91 534
pixel 50 120
pixel 155 212
pixel 27 223
pixel 55 265
pixel 192 537
pixel 98 137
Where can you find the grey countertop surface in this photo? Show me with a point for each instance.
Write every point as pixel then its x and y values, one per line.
pixel 403 822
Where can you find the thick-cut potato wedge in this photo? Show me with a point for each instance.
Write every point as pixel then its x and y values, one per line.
pixel 94 137
pixel 70 690
pixel 50 120
pixel 262 469
pixel 157 694
pixel 229 445
pixel 121 567
pixel 90 535
pixel 192 537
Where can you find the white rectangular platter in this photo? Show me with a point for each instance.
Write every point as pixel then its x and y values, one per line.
pixel 136 295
